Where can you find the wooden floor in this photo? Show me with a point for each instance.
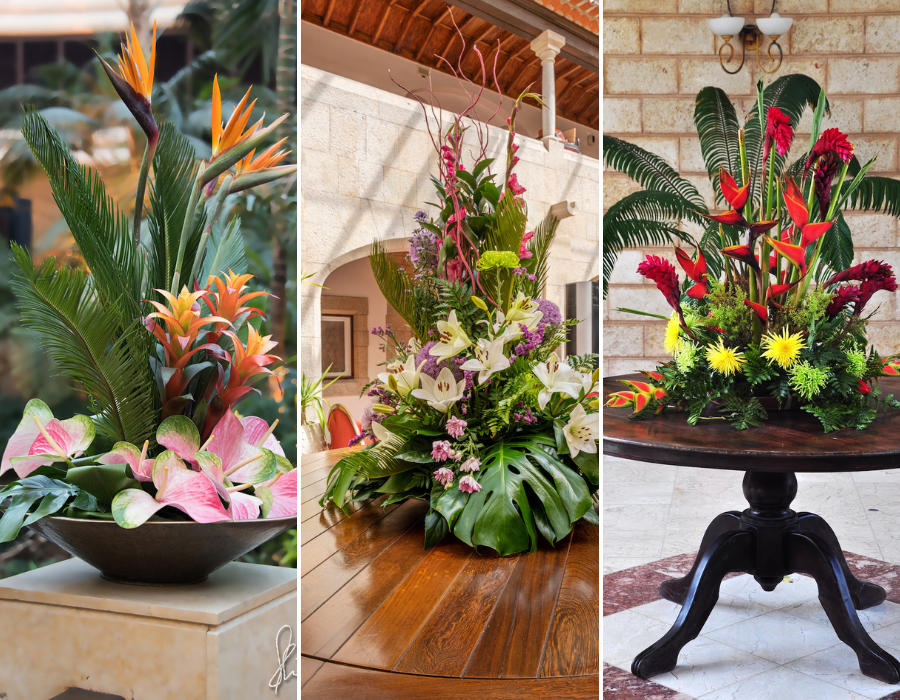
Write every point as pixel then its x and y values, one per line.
pixel 381 617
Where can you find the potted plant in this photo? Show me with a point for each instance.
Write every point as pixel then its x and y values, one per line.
pixel 314 436
pixel 477 414
pixel 165 481
pixel 781 322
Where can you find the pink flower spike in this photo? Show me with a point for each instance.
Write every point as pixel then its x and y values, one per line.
pixel 468 485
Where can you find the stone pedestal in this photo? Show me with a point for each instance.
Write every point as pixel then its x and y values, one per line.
pixel 65 627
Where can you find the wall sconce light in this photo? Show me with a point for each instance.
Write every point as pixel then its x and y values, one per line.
pixel 750 36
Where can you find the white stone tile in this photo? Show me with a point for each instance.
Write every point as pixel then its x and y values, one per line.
pixel 839 666
pixel 778 684
pixel 880 616
pixel 777 637
pixel 727 612
pixel 746 591
pixel 617 493
pixel 626 634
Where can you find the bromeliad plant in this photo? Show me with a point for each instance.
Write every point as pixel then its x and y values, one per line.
pixel 783 320
pixel 158 334
pixel 476 413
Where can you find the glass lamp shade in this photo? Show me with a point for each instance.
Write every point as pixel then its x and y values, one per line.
pixel 726 25
pixel 776 25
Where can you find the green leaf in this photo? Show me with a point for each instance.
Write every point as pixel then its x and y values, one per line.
pixel 481 166
pixel 589 464
pixel 224 252
pixel 436 529
pixel 398 483
pixel 85 501
pixel 50 504
pixel 450 503
pixel 717 127
pixel 418 456
pixel 103 481
pixel 877 194
pixel 22 494
pixel 264 494
pixel 491 194
pixel 395 284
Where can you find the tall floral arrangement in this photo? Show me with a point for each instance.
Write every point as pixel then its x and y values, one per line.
pixel 782 321
pixel 158 332
pixel 477 413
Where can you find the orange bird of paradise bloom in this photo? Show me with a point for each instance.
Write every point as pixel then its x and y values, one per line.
pixel 234 131
pixel 267 159
pixel 134 82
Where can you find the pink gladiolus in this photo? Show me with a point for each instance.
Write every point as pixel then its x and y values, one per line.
pixel 524 253
pixel 514 186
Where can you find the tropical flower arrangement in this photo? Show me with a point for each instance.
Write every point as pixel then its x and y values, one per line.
pixel 158 332
pixel 477 413
pixel 783 322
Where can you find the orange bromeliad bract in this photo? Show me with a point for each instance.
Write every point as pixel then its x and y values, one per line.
pixel 228 300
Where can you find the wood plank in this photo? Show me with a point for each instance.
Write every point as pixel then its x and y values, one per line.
pixel 325 630
pixel 448 638
pixel 310 509
pixel 513 641
pixel 310 463
pixel 336 682
pixel 573 644
pixel 308 669
pixel 327 519
pixel 382 639
pixel 344 551
pixel 356 524
pixel 314 491
pixel 315 475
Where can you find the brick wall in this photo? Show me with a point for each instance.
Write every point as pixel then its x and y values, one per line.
pixel 659 53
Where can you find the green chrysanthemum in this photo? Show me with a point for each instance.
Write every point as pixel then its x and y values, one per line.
pixel 807 380
pixel 498 258
pixel 856 363
pixel 686 357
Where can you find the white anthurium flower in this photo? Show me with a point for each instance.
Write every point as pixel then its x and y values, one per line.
pixel 441 393
pixel 582 431
pixel 556 378
pixel 381 433
pixel 489 358
pixel 406 375
pixel 453 338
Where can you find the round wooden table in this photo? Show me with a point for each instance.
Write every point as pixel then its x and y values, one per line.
pixel 381 617
pixel 768 539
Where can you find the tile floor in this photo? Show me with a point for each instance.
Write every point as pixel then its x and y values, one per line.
pixel 756 645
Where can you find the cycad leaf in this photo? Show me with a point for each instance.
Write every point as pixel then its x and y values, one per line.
pixel 649 170
pixel 62 307
pixel 508 228
pixel 224 252
pixel 376 462
pixel 175 168
pixel 539 245
pixel 880 194
pixel 717 127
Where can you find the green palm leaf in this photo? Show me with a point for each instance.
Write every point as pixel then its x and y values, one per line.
pixel 396 286
pixel 717 127
pixel 224 252
pixel 880 194
pixel 649 170
pixel 539 246
pixel 62 306
pixel 837 245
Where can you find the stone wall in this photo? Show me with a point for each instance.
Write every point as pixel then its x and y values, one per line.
pixel 366 159
pixel 659 53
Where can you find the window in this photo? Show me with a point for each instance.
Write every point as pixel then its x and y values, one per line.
pixel 337 346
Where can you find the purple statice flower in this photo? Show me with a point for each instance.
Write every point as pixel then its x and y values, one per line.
pixel 421 217
pixel 358 439
pixel 530 339
pixel 468 484
pixel 551 315
pixel 456 427
pixel 470 378
pixel 473 464
pixel 423 251
pixel 433 368
pixel 440 450
pixel 445 476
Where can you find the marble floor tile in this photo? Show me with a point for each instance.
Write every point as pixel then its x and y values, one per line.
pixel 727 612
pixel 611 564
pixel 777 637
pixel 617 493
pixel 626 634
pixel 781 683
pixel 839 666
pixel 883 615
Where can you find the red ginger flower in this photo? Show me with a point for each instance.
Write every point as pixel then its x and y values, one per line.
pixel 844 296
pixel 826 169
pixel 871 269
pixel 663 273
pixel 830 140
pixel 778 129
pixel 869 287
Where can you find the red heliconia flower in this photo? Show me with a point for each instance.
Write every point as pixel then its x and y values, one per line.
pixel 663 273
pixel 869 287
pixel 794 254
pixel 813 232
pixel 826 169
pixel 734 195
pixel 871 269
pixel 863 387
pixel 776 290
pixel 744 253
pixel 761 311
pixel 779 130
pixel 729 218
pixel 761 227
pixel 796 206
pixel 844 296
pixel 891 368
pixel 830 140
pixel 695 271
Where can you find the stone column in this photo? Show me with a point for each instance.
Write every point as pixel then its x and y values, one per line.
pixel 546 46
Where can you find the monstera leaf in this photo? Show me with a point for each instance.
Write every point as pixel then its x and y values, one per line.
pixel 525 489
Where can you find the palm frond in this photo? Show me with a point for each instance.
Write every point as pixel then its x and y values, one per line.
pixel 376 462
pixel 792 94
pixel 396 286
pixel 717 127
pixel 175 168
pixel 103 234
pixel 63 308
pixel 649 170
pixel 508 228
pixel 539 246
pixel 224 252
pixel 881 194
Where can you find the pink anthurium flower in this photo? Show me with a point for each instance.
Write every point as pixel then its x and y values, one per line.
pixel 242 461
pixel 241 506
pixel 179 434
pixel 177 486
pixel 279 495
pixel 126 453
pixel 41 439
pixel 259 433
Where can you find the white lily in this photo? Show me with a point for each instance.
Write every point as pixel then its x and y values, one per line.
pixel 489 358
pixel 413 346
pixel 453 338
pixel 381 433
pixel 406 375
pixel 524 310
pixel 441 393
pixel 589 380
pixel 556 378
pixel 582 431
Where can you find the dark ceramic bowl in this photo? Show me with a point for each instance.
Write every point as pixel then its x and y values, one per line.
pixel 159 553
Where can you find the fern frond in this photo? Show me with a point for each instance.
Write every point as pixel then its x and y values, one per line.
pixel 649 170
pixel 63 308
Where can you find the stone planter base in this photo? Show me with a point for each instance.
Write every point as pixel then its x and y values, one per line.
pixel 68 628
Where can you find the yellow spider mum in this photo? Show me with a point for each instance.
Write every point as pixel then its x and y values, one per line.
pixel 724 360
pixel 673 335
pixel 783 349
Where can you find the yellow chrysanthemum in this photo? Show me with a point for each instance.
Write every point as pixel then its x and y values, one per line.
pixel 783 349
pixel 673 333
pixel 724 360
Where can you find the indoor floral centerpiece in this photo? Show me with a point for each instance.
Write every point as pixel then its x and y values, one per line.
pixel 159 333
pixel 477 413
pixel 781 325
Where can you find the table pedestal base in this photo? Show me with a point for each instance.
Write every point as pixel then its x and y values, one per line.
pixel 770 541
